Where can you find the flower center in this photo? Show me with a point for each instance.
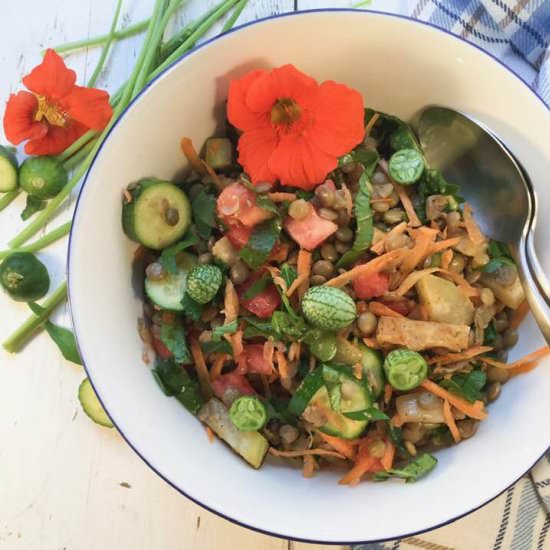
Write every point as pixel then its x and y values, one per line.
pixel 285 112
pixel 50 112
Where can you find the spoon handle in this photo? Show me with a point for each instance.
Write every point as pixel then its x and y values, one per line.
pixel 538 302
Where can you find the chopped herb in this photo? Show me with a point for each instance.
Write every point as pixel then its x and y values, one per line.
pixel 490 334
pixel 413 471
pixel 288 273
pixel 168 255
pixel 371 413
pixel 173 337
pixel 203 207
pixel 396 435
pixel 368 159
pixel 219 346
pixel 191 309
pixel 256 287
pixel 258 327
pixel 291 327
pixel 496 263
pixel 469 385
pixel 267 204
pixel 261 243
pixel 218 332
pixel 277 409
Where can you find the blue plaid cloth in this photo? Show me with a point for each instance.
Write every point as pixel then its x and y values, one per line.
pixel 515 31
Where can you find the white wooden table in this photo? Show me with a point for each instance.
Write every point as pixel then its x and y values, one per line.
pixel 66 483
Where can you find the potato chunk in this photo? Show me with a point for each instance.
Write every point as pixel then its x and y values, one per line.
pixel 421 335
pixel 444 301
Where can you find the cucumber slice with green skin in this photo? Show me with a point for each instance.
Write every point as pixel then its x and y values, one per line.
pixel 8 170
pixel 373 370
pixel 168 292
pixel 157 215
pixel 24 277
pixel 91 405
pixel 42 177
pixel 406 166
pixel 342 393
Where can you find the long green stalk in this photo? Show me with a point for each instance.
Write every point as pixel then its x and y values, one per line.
pixel 72 162
pixel 199 32
pixel 136 28
pixel 8 198
pixel 74 147
pixel 106 47
pixel 43 242
pixel 14 342
pixel 229 24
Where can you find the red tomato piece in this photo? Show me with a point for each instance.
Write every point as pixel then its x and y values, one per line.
pixel 162 351
pixel 310 231
pixel 237 205
pixel 238 235
pixel 400 306
pixel 371 285
pixel 255 359
pixel 264 303
pixel 232 381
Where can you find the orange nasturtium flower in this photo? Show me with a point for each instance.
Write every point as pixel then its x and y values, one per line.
pixel 294 129
pixel 57 112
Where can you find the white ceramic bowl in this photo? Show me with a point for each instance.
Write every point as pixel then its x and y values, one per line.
pixel 399 66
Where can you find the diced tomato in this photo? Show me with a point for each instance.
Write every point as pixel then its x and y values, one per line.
pixel 264 303
pixel 162 351
pixel 255 359
pixel 238 235
pixel 237 205
pixel 371 285
pixel 232 381
pixel 400 306
pixel 310 231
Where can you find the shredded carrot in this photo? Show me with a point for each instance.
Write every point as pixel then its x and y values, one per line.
pixel 388 391
pixel 281 197
pixel 217 366
pixel 534 356
pixel 210 434
pixel 446 258
pixel 343 446
pixel 525 367
pixel 450 421
pixel 202 370
pixel 382 310
pixel 231 303
pixel 423 312
pixel 294 351
pixel 370 124
pixel 362 465
pixel 519 314
pixel 349 199
pixel 379 246
pixel 424 238
pixel 442 245
pixel 412 279
pixel 474 410
pixel 377 264
pixel 358 371
pixel 475 234
pixel 414 221
pixel 237 343
pixel 303 269
pixel 371 343
pixel 466 288
pixel 269 350
pixel 389 456
pixel 310 465
pixel 305 452
pixel 462 356
pixel 282 364
pixel 277 279
pixel 192 156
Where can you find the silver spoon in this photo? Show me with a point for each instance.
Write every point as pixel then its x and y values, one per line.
pixel 498 188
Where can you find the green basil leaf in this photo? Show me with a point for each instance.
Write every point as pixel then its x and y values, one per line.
pixel 490 334
pixel 63 337
pixel 371 413
pixel 267 204
pixel 469 386
pixel 173 337
pixel 277 409
pixel 256 288
pixel 368 159
pixel 191 309
pixel 414 470
pixel 218 332
pixel 203 207
pixel 168 255
pixel 219 346
pixel 497 263
pixel 176 382
pixel 261 243
pixel 287 326
pixel 288 273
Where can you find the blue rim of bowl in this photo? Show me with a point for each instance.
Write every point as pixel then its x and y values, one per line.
pixel 151 83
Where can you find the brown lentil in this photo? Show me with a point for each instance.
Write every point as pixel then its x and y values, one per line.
pixel 342 248
pixel 479 261
pixel 496 374
pixel 323 267
pixel 239 272
pixel 410 447
pixel 155 272
pixel 453 220
pixel 487 297
pixel 467 427
pixel 289 434
pixel 317 280
pixel 458 263
pixel 509 338
pixel 380 206
pixel 384 190
pixel 367 322
pixel 348 168
pixel 328 214
pixel 328 252
pixel 205 258
pixel 343 218
pixel 506 275
pixel 344 234
pixel 370 144
pixel 377 448
pixel 493 391
pixel 325 195
pixel 472 275
pixel 378 178
pixel 501 322
pixel 299 209
pixel 394 216
pixel 413 432
pixel 502 355
pixel 205 336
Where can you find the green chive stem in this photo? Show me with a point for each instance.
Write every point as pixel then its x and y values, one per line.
pixel 43 242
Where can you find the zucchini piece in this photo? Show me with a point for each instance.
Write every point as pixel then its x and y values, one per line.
pixel 42 177
pixel 157 214
pixel 252 446
pixel 24 277
pixel 91 405
pixel 168 293
pixel 8 170
pixel 373 371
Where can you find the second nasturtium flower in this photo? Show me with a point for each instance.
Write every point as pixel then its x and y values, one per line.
pixel 294 129
pixel 55 112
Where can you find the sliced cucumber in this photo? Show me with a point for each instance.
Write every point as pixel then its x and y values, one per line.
pixel 157 215
pixel 252 446
pixel 168 293
pixel 91 405
pixel 373 371
pixel 8 170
